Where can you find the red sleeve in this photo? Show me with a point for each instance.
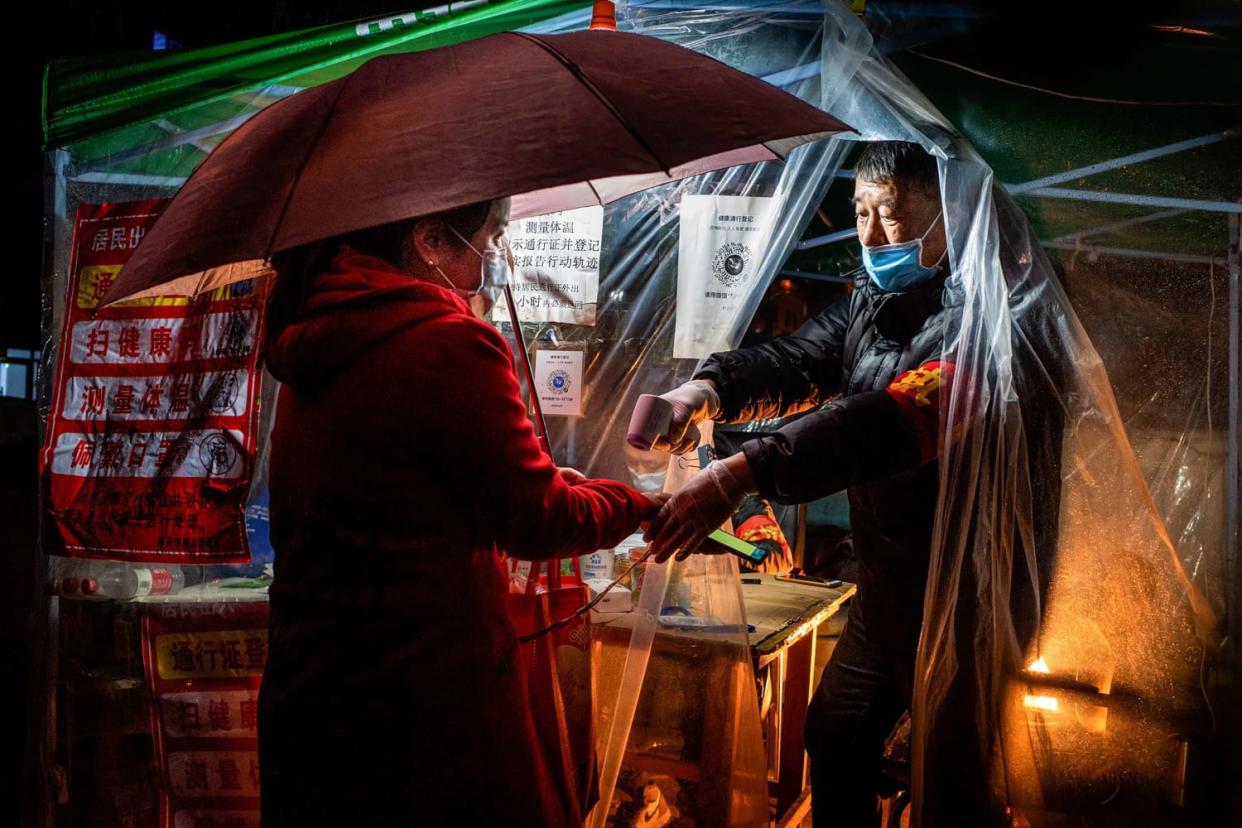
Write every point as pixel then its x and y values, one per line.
pixel 523 503
pixel 917 393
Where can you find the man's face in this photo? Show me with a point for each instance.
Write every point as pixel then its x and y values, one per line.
pixel 892 211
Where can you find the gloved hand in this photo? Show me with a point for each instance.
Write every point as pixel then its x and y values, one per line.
pixel 705 502
pixel 693 402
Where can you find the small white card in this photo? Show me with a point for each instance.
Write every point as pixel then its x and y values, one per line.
pixel 558 378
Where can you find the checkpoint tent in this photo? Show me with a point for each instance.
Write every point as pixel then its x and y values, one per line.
pixel 137 133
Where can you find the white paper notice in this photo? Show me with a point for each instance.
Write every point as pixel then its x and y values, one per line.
pixel 558 376
pixel 723 241
pixel 557 257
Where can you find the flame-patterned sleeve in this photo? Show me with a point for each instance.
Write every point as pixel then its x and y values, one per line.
pixel 855 439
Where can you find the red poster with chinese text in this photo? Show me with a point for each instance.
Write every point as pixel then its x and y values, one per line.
pixel 151 432
pixel 204 663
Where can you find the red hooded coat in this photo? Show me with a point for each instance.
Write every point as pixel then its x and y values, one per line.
pixel 403 466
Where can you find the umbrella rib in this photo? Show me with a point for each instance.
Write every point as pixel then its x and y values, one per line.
pixel 310 150
pixel 600 96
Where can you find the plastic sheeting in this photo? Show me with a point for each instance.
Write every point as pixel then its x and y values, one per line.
pixel 1075 582
pixel 677 707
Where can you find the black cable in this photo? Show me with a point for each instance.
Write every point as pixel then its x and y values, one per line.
pixel 556 625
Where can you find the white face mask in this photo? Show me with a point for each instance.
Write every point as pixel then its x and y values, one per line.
pixel 493 273
pixel 651 482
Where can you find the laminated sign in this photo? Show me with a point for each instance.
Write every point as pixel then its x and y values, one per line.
pixel 204 663
pixel 557 258
pixel 558 376
pixel 151 430
pixel 722 243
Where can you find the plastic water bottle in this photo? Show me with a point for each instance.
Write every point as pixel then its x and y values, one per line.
pixel 115 581
pixel 123 583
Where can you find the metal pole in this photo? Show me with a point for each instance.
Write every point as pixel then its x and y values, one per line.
pixel 541 426
pixel 819 241
pixel 815 277
pixel 1187 258
pixel 1112 227
pixel 131 179
pixel 1231 473
pixel 1123 161
pixel 1134 198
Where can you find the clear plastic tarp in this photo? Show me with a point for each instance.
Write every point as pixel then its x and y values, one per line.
pixel 1078 563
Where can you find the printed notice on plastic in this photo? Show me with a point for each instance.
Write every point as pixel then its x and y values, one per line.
pixel 203 664
pixel 151 432
pixel 722 244
pixel 558 376
pixel 557 258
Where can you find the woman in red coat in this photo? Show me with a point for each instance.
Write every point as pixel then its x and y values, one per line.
pixel 403 469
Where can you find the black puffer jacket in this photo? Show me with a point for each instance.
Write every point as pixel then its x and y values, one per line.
pixel 861 369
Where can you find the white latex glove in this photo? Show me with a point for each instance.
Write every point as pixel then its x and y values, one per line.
pixel 693 402
pixel 705 502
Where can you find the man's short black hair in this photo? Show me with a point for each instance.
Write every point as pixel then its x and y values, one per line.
pixel 888 160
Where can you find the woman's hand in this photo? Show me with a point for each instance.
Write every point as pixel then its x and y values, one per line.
pixel 572 477
pixel 656 501
pixel 701 505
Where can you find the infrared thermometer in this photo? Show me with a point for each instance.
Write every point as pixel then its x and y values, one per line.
pixel 651 419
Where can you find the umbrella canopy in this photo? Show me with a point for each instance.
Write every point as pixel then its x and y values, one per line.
pixel 556 121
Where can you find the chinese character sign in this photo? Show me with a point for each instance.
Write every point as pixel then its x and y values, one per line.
pixel 152 426
pixel 203 663
pixel 558 377
pixel 722 243
pixel 557 260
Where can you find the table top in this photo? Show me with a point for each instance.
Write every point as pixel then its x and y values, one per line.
pixel 783 612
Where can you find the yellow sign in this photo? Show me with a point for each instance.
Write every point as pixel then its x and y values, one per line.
pixel 220 654
pixel 95 280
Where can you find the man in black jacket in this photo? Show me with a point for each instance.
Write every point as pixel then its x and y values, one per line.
pixel 870 370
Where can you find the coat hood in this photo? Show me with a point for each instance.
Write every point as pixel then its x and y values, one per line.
pixel 355 304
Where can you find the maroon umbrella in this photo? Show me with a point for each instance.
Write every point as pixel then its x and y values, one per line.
pixel 556 121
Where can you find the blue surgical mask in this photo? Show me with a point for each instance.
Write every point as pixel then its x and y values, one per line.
pixel 898 266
